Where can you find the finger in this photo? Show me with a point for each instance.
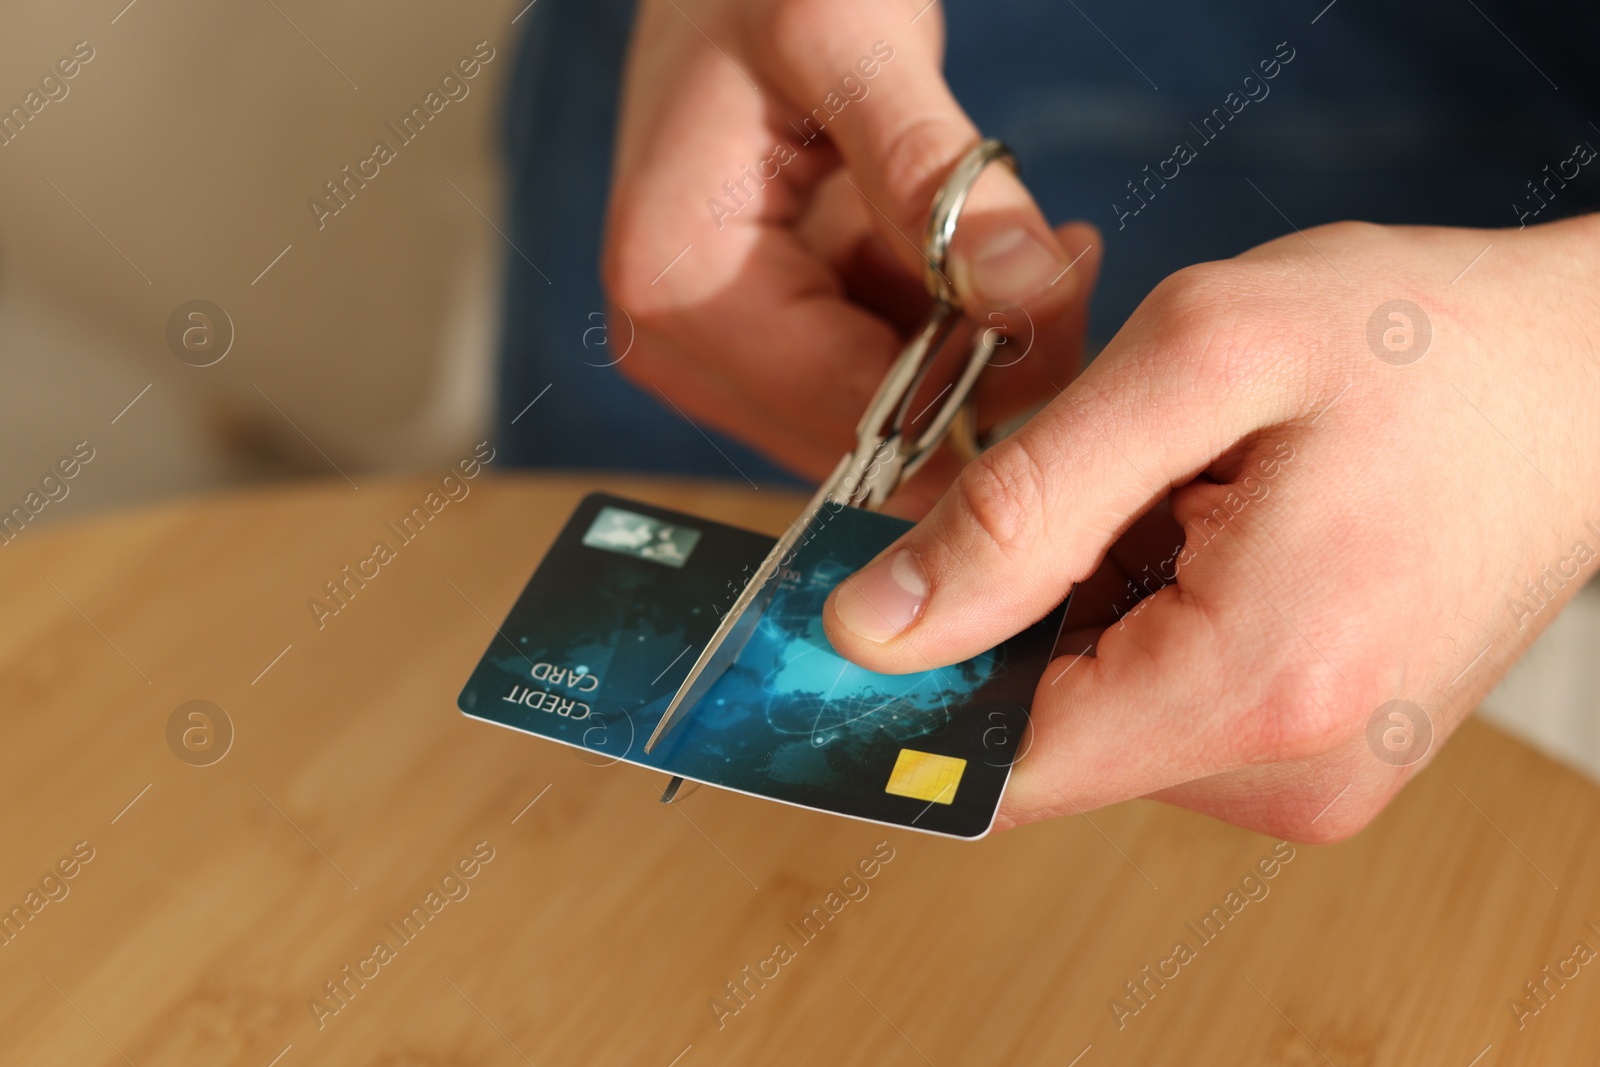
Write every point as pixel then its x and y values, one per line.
pixel 1162 710
pixel 1220 677
pixel 733 289
pixel 923 489
pixel 785 334
pixel 1137 716
pixel 877 92
pixel 837 226
pixel 1030 355
pixel 1322 800
pixel 1037 512
pixel 1138 565
pixel 1039 353
pixel 707 400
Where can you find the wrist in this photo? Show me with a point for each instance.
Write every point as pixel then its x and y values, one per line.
pixel 1566 284
pixel 1573 248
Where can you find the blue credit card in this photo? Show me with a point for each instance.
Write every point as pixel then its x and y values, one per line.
pixel 612 620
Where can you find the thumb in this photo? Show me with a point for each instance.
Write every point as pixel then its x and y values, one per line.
pixel 900 131
pixel 1038 512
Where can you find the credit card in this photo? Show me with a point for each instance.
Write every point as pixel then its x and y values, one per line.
pixel 614 616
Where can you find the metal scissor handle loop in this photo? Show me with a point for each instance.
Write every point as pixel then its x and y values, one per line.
pixel 884 457
pixel 947 205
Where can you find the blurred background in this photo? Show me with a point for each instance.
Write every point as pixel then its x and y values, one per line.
pixel 360 345
pixel 165 175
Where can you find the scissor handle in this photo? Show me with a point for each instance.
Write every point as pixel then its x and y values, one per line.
pixel 884 457
pixel 947 205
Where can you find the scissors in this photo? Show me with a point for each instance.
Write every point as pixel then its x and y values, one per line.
pixel 887 450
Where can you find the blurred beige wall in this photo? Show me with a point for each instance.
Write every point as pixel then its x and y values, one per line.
pixel 177 165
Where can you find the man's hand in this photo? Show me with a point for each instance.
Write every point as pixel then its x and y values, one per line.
pixel 1370 458
pixel 775 167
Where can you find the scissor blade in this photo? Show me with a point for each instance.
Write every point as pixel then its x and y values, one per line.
pixel 732 634
pixel 734 631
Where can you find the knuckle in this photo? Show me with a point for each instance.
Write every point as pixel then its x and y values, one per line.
pixel 916 158
pixel 1003 492
pixel 1213 311
pixel 788 30
pixel 617 266
pixel 628 264
pixel 1340 823
pixel 1307 714
pixel 622 269
pixel 643 366
pixel 1349 231
pixel 1199 294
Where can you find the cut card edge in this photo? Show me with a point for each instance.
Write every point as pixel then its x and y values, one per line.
pixel 988 827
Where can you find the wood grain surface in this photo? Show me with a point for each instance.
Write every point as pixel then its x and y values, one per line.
pixel 598 927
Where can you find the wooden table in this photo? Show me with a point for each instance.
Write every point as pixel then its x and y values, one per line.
pixel 222 899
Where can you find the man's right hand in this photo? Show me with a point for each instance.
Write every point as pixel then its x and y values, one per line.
pixel 775 166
